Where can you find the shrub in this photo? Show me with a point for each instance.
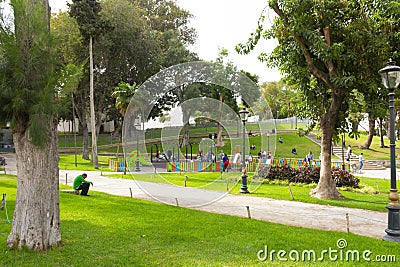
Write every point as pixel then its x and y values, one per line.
pixel 307 175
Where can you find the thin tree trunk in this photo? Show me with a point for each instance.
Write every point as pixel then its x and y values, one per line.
pixel 92 110
pixel 220 143
pixel 371 126
pixel 382 141
pixel 326 186
pixel 81 113
pixel 36 220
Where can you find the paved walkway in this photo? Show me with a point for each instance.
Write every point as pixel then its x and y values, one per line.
pixel 361 222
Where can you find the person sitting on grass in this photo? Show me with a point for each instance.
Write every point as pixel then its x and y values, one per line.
pixel 81 184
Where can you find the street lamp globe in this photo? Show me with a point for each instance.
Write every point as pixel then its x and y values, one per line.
pixel 390 75
pixel 244 114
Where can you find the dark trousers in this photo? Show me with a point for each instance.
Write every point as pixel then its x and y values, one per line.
pixel 84 187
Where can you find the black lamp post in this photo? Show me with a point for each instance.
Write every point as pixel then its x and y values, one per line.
pixel 137 165
pixel 343 145
pixel 244 113
pixel 391 80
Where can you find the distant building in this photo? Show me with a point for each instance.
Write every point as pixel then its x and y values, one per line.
pixel 67 127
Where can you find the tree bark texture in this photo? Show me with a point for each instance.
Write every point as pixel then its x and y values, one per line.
pixel 81 113
pixel 219 142
pixel 326 186
pixel 382 142
pixel 371 129
pixel 92 110
pixel 36 220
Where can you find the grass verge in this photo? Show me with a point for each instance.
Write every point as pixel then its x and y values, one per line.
pixel 106 230
pixel 67 162
pixel 373 194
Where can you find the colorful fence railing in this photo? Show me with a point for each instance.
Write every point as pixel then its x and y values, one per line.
pixel 199 166
pixel 118 164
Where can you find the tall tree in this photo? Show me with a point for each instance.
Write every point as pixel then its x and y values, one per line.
pixel 70 50
pixel 326 48
pixel 91 25
pixel 221 93
pixel 27 97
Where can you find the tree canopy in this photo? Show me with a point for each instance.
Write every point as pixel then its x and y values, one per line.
pixel 328 50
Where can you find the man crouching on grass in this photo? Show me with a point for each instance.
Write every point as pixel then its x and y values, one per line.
pixel 81 184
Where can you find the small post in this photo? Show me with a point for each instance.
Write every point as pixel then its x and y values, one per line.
pixel 248 212
pixel 66 178
pixel 227 184
pixel 291 193
pixel 4 168
pixel 186 180
pixel 155 169
pixel 130 189
pixel 348 223
pixel 177 202
pixel 101 170
pixel 379 190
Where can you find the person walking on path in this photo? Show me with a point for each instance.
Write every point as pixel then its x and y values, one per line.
pixel 361 159
pixel 348 153
pixel 80 183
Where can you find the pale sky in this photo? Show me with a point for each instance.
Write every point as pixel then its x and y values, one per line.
pixel 223 24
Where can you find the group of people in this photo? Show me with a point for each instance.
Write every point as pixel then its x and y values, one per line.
pixel 361 158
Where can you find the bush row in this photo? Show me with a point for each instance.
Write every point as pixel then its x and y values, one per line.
pixel 307 175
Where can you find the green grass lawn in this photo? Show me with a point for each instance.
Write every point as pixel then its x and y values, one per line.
pixel 369 201
pixel 375 152
pixel 67 162
pixel 373 196
pixel 106 230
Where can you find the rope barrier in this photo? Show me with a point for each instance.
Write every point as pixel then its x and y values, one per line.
pixel 4 205
pixel 368 219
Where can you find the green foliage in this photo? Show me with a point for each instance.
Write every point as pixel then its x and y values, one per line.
pixel 28 76
pixel 307 175
pixel 328 47
pixel 123 94
pixel 87 14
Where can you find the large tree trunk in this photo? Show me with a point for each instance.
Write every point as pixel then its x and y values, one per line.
pixel 326 186
pixel 36 221
pixel 371 126
pixel 92 110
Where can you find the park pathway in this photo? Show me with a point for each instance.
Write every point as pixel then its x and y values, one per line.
pixel 325 217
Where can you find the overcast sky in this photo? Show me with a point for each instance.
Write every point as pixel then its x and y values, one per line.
pixel 223 24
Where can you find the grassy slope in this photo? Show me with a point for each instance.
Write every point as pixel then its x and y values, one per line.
pixel 106 230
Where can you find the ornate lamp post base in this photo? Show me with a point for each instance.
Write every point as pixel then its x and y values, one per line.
pixel 393 230
pixel 243 188
pixel 137 166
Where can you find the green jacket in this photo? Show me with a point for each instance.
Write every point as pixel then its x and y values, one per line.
pixel 80 180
